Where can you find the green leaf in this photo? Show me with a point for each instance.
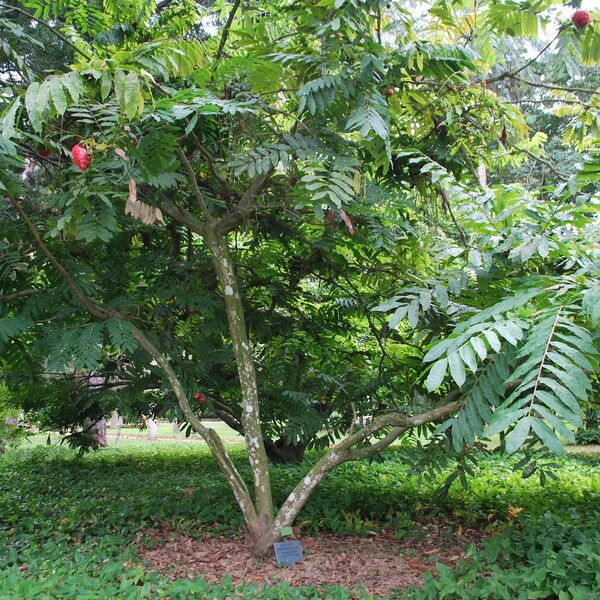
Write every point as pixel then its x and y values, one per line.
pixel 121 334
pixel 397 316
pixel 132 94
pixel 33 104
pixel 57 93
pixel 7 124
pixel 413 313
pixel 457 368
pixel 480 347
pixel 547 436
pixel 12 326
pixel 502 420
pixel 436 374
pixel 468 356
pixel 120 85
pixel 73 83
pixel 493 340
pixel 556 422
pixel 517 436
pixel 106 81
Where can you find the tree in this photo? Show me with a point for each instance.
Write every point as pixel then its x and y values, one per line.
pixel 314 149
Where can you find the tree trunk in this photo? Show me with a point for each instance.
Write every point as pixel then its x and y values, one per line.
pixel 257 455
pixel 283 452
pixel 98 431
pixel 116 421
pixel 261 536
pixel 152 425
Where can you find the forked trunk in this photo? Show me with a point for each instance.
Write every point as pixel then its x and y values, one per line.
pixel 261 536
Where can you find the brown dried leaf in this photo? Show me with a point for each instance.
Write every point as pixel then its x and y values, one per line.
pixel 348 221
pixel 139 210
pixel 120 152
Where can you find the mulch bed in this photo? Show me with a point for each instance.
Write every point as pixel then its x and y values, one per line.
pixel 377 564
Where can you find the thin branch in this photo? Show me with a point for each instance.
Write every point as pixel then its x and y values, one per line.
pixel 211 165
pixel 556 100
pixel 342 452
pixel 49 27
pixel 74 289
pixel 184 216
pixel 446 200
pixel 544 162
pixel 226 29
pixel 246 205
pixel 22 294
pixel 211 437
pixel 549 86
pixel 509 74
pixel 194 183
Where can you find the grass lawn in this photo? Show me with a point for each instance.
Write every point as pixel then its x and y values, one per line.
pixel 134 436
pixel 67 522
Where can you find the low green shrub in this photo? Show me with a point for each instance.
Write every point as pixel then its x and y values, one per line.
pixel 552 557
pixel 67 522
pixel 585 437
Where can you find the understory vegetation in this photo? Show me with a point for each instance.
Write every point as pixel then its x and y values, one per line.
pixel 69 524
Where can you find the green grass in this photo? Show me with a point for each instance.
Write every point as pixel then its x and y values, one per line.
pixel 135 437
pixel 69 519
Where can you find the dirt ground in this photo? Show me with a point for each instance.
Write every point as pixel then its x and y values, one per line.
pixel 377 564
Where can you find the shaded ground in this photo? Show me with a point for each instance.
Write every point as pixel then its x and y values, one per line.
pixel 377 564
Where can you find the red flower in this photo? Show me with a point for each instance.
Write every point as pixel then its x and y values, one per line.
pixel 81 157
pixel 44 153
pixel 189 310
pixel 200 397
pixel 391 91
pixel 580 19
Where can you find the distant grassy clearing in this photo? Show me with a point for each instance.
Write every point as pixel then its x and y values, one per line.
pixel 134 436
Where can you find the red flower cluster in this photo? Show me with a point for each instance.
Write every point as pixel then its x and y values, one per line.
pixel 580 19
pixel 81 157
pixel 200 397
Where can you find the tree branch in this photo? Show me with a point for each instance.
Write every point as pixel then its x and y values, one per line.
pixel 49 27
pixel 73 288
pixel 245 206
pixel 509 74
pixel 211 165
pixel 544 162
pixel 226 29
pixel 343 452
pixel 549 86
pixel 183 216
pixel 23 294
pixel 194 183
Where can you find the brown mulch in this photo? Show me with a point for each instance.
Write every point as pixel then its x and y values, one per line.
pixel 377 564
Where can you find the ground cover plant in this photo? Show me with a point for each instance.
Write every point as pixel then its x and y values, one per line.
pixel 68 523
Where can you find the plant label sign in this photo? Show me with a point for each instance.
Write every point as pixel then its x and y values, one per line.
pixel 288 553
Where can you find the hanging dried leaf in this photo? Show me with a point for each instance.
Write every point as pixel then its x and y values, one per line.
pixel 120 152
pixel 347 220
pixel 139 210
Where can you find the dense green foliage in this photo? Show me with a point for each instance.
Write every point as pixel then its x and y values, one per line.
pixel 369 151
pixel 70 519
